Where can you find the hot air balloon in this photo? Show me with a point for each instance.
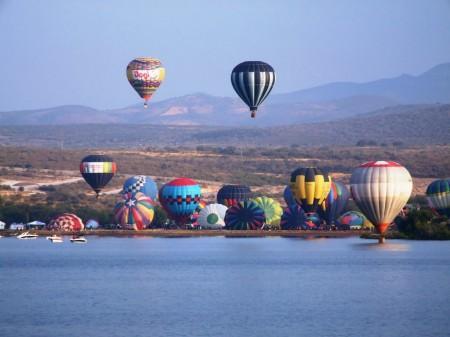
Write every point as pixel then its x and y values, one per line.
pixel 438 195
pixel 351 220
pixel 92 224
pixel 180 198
pixel 134 211
pixel 288 197
pixel 381 189
pixel 313 221
pixel 334 204
pixel 145 75
pixel 310 186
pixel 66 222
pixel 272 211
pixel 143 184
pixel 253 81
pixel 97 170
pixel 230 195
pixel 245 215
pixel 212 216
pixel 293 218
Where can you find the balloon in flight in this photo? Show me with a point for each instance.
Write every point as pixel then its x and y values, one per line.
pixel 253 81
pixel 97 170
pixel 145 75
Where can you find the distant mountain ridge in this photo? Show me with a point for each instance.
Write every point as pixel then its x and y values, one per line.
pixel 328 102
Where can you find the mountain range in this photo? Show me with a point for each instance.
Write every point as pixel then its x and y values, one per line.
pixel 329 102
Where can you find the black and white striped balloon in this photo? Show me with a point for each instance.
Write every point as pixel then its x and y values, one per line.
pixel 253 81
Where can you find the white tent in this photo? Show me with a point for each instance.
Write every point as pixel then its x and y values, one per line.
pixel 35 224
pixel 2 225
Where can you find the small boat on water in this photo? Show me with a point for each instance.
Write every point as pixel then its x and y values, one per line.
pixel 78 239
pixel 27 236
pixel 55 238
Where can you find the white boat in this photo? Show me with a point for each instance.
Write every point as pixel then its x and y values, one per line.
pixel 27 236
pixel 78 239
pixel 55 239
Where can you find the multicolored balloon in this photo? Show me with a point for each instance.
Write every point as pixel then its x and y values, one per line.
pixel 288 196
pixel 134 211
pixel 272 211
pixel 293 218
pixel 381 189
pixel 310 186
pixel 253 81
pixel 351 220
pixel 97 170
pixel 212 216
pixel 143 184
pixel 145 75
pixel 230 195
pixel 313 221
pixel 245 215
pixel 66 222
pixel 334 204
pixel 438 196
pixel 180 198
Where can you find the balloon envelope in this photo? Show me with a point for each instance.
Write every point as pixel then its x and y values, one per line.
pixel 145 75
pixel 230 195
pixel 92 224
pixel 334 204
pixel 180 198
pixel 66 222
pixel 438 196
pixel 253 81
pixel 381 189
pixel 134 211
pixel 351 220
pixel 143 184
pixel 313 221
pixel 212 216
pixel 97 170
pixel 310 186
pixel 272 210
pixel 293 218
pixel 244 215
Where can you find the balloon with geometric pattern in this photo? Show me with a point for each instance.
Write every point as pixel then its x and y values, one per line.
pixel 334 204
pixel 66 222
pixel 245 215
pixel 293 218
pixel 272 211
pixel 212 216
pixel 134 211
pixel 143 184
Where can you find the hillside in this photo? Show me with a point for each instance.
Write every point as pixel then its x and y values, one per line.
pixel 329 102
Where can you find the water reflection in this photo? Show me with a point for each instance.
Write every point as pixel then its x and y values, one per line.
pixel 387 246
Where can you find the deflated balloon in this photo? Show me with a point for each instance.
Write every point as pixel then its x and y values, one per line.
pixel 253 81
pixel 66 222
pixel 212 216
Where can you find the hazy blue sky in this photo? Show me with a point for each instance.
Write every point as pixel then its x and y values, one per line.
pixel 75 52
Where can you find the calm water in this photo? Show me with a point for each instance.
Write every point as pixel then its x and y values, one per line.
pixel 224 287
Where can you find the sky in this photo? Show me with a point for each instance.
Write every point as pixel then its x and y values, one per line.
pixel 76 52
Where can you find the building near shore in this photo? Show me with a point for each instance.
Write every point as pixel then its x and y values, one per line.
pixel 17 226
pixel 2 225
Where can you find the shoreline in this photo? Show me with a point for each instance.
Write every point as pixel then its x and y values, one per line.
pixel 198 233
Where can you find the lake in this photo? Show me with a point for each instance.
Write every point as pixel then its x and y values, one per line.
pixel 217 286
